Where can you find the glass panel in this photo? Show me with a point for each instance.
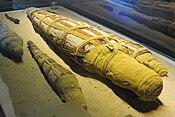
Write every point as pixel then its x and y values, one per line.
pixel 148 21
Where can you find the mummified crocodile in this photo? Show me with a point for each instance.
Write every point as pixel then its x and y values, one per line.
pixel 162 25
pixel 101 52
pixel 154 8
pixel 11 44
pixel 62 80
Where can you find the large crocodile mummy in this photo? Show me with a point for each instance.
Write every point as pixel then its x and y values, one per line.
pixel 103 53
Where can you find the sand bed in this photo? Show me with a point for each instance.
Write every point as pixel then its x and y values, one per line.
pixel 30 92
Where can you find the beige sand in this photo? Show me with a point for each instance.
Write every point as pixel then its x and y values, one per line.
pixel 30 92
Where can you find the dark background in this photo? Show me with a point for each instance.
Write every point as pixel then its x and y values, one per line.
pixel 6 5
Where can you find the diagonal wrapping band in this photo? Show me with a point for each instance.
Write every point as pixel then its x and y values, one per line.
pixel 139 52
pixel 88 40
pixel 63 37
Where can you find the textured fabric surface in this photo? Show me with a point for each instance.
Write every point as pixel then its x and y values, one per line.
pixel 10 43
pixel 61 80
pixel 124 71
pixel 142 55
pixel 103 53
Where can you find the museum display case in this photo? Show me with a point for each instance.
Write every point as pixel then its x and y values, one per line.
pixel 87 58
pixel 148 21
